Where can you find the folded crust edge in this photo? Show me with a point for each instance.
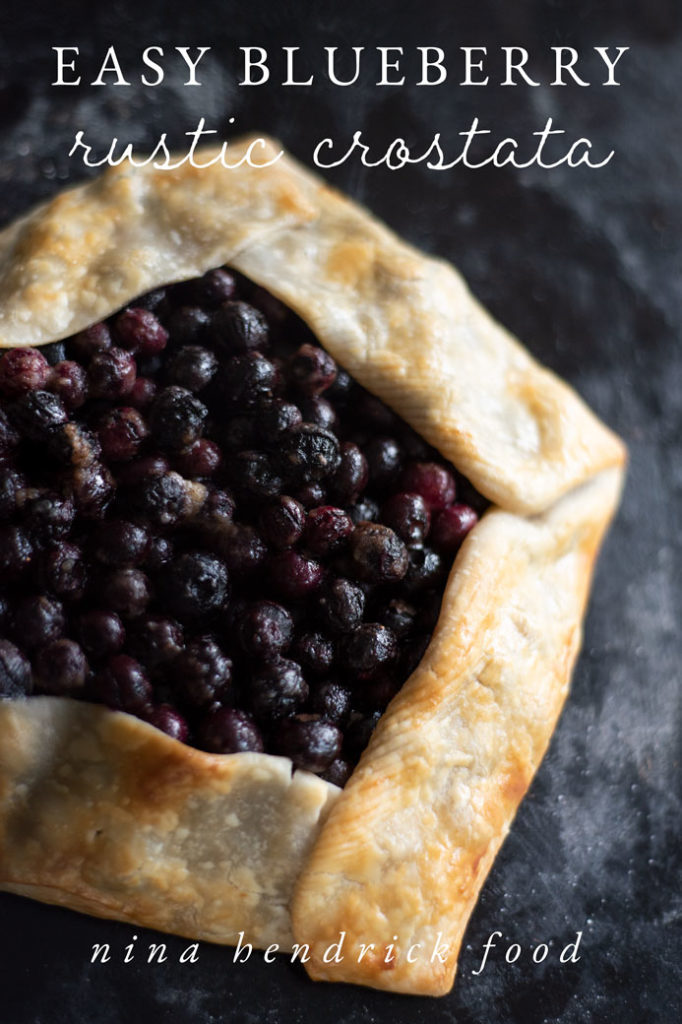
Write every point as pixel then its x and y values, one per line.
pixel 404 853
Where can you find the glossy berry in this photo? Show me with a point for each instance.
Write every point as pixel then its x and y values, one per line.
pixel 176 418
pixel 319 411
pixel 332 701
pixel 16 552
pixel 120 433
pixel 126 592
pixel 201 459
pixel 36 414
pixel 310 741
pixel 243 550
pixel 277 689
pixel 254 475
pixel 22 370
pixel 193 367
pixel 168 720
pixel 49 517
pixel 293 575
pixel 327 529
pixel 228 731
pixel 384 459
pixel 308 453
pixel 12 492
pixel 265 629
pixel 142 393
pixel 91 341
pixel 123 685
pixel 426 569
pixel 9 436
pixel 312 370
pixel 197 586
pixel 187 325
pixel 72 444
pixel 117 542
pixel 247 381
pixel 203 673
pixel 139 330
pixel 399 615
pixel 101 633
pixel 435 483
pixel 111 374
pixel 378 555
pixel 369 648
pixel 341 605
pixel 239 327
pixel 61 668
pixel 212 288
pixel 338 772
pixel 63 570
pixel 69 382
pixel 282 522
pixel 451 526
pixel 161 500
pixel 408 516
pixel 315 652
pixel 276 419
pixel 92 490
pixel 15 672
pixel 38 620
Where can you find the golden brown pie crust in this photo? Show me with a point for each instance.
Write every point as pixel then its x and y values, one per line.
pixel 103 813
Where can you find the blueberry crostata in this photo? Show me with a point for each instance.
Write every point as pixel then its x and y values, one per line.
pixel 295 545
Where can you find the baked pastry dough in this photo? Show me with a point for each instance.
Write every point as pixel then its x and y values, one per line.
pixel 103 813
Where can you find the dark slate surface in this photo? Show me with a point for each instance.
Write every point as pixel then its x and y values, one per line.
pixel 585 267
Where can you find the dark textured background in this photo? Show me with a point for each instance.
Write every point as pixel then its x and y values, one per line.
pixel 585 266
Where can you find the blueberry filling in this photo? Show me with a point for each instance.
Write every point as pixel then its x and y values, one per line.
pixel 205 522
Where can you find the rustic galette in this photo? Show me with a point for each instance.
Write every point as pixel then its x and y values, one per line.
pixel 276 495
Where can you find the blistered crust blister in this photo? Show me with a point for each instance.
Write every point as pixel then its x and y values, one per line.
pixel 408 843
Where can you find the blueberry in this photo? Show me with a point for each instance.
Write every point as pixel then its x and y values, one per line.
pixel 121 432
pixel 378 555
pixel 310 741
pixel 101 633
pixel 176 418
pixel 126 592
pixel 63 570
pixel 332 701
pixel 38 620
pixel 168 720
pixel 37 414
pixel 203 673
pixel 282 522
pixel 61 668
pixel 341 605
pixel 311 369
pixel 123 686
pixel 308 453
pixel 193 367
pixel 197 586
pixel 22 370
pixel 15 672
pixel 228 731
pixel 239 327
pixel 277 689
pixel 408 516
pixel 155 641
pixel 369 648
pixel 117 542
pixel 266 628
pixel 111 374
pixel 139 330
